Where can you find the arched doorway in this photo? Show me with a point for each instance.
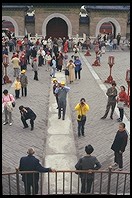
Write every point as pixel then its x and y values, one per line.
pixel 116 28
pixel 108 27
pixel 10 21
pixel 8 25
pixel 56 28
pixel 59 16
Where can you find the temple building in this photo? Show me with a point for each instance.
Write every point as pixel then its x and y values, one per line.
pixel 66 19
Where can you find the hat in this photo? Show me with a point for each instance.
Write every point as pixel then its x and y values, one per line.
pixel 54 79
pixel 31 151
pixel 23 71
pixel 62 83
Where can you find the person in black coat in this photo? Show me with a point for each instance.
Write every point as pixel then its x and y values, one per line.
pixel 87 162
pixel 31 163
pixel 119 145
pixel 27 113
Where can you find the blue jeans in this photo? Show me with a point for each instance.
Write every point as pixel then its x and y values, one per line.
pixel 81 127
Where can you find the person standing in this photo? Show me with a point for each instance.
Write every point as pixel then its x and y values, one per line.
pixel 48 60
pixel 27 113
pixel 88 162
pixel 24 82
pixel 82 108
pixel 78 67
pixel 53 67
pixel 121 101
pixel 7 100
pixel 62 91
pixel 35 68
pixel 16 65
pixel 17 86
pixel 118 38
pixel 111 93
pixel 118 146
pixel 31 163
pixel 71 68
pixel 55 85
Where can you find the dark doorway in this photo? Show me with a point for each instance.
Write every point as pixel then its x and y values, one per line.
pixel 108 27
pixel 56 28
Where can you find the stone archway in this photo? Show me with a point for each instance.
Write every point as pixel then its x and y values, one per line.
pixel 8 18
pixel 108 19
pixel 60 16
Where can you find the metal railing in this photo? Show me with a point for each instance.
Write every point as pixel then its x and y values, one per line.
pixel 107 182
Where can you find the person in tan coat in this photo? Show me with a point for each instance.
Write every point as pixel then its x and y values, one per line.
pixel 71 67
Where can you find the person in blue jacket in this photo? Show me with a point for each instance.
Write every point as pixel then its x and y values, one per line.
pixel 78 68
pixel 31 163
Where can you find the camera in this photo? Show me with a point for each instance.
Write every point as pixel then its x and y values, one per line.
pixel 79 116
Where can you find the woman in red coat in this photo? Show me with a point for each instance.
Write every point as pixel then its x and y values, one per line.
pixel 121 101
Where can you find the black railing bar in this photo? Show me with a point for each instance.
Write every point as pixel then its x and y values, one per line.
pixel 117 183
pixel 33 190
pixel 9 179
pixel 48 184
pixel 56 182
pixel 100 188
pixel 124 184
pixel 93 184
pixel 17 183
pixel 78 184
pixel 71 183
pixel 63 182
pixel 41 183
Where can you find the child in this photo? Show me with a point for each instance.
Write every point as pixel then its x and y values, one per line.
pixel 17 87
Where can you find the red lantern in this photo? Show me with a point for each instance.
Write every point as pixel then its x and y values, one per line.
pixel 111 60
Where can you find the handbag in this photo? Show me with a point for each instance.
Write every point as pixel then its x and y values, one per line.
pixel 120 104
pixel 9 106
pixel 13 103
pixel 67 72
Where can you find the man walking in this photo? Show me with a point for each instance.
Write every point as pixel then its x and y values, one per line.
pixel 111 93
pixel 62 91
pixel 31 163
pixel 27 113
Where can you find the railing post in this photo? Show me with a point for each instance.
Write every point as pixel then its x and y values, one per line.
pixel 109 180
pixel 17 181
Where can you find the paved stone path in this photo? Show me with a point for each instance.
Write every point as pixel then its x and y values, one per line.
pixel 99 133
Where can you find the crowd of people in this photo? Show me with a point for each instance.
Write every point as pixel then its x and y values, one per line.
pixel 53 55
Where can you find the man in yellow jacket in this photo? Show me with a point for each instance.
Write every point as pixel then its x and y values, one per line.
pixel 82 108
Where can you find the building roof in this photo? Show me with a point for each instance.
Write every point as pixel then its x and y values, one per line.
pixel 109 7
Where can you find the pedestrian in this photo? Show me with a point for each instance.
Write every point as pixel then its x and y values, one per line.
pixel 35 68
pixel 62 91
pixel 55 85
pixel 17 86
pixel 121 101
pixel 53 67
pixel 118 38
pixel 71 67
pixel 88 162
pixel 24 82
pixel 27 113
pixel 111 93
pixel 48 58
pixel 78 67
pixel 118 146
pixel 7 100
pixel 59 61
pixel 16 65
pixel 82 108
pixel 31 163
